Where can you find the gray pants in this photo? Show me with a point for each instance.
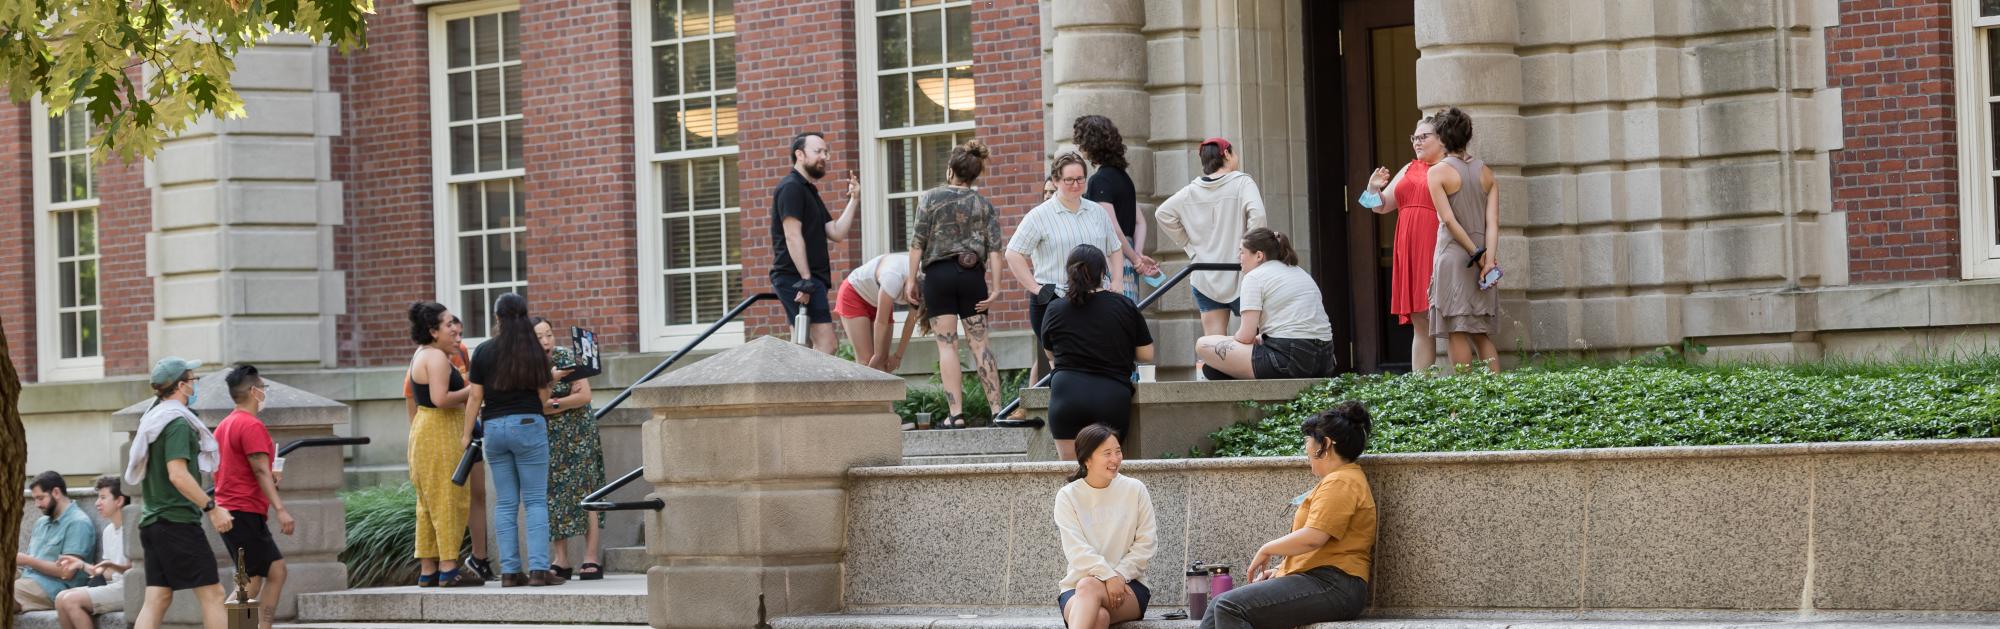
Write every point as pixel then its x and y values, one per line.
pixel 1316 595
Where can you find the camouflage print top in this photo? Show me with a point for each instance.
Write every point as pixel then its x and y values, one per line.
pixel 954 220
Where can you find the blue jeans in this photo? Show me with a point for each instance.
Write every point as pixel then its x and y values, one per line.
pixel 517 453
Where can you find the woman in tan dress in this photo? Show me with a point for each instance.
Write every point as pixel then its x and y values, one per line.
pixel 1468 208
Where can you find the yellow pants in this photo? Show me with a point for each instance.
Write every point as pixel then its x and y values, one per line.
pixel 435 436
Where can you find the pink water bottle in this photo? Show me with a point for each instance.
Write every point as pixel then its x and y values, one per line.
pixel 1197 591
pixel 1219 581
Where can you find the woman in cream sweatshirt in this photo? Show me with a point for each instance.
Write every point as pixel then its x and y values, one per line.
pixel 1106 521
pixel 1206 219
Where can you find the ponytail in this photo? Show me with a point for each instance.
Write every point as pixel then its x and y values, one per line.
pixel 1275 245
pixel 1086 268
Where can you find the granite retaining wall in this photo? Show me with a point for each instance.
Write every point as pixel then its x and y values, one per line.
pixel 1888 526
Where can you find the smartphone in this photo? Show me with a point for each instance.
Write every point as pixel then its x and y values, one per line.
pixel 1492 277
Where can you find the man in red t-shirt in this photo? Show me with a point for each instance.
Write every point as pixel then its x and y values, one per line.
pixel 247 486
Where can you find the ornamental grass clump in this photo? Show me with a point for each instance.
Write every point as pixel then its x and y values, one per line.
pixel 1637 404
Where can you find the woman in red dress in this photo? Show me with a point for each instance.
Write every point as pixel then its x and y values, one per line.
pixel 1416 240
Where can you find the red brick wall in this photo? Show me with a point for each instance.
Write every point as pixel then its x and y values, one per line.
pixel 1007 64
pixel 1896 176
pixel 576 66
pixel 124 216
pixel 17 244
pixel 796 72
pixel 383 159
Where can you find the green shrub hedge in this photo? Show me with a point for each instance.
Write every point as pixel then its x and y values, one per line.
pixel 929 398
pixel 1637 404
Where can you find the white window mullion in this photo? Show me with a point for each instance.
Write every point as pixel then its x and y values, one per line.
pixel 1975 31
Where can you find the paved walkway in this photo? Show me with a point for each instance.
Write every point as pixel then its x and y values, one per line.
pixel 618 599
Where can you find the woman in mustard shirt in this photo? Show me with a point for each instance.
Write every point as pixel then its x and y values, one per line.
pixel 1324 576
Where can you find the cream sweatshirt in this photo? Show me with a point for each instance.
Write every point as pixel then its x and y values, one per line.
pixel 1208 219
pixel 1107 531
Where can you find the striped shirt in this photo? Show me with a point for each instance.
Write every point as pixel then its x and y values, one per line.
pixel 1050 231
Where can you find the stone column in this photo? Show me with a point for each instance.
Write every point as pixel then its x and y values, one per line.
pixel 312 475
pixel 242 246
pixel 749 449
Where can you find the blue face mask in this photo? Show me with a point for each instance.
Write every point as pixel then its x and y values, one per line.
pixel 191 398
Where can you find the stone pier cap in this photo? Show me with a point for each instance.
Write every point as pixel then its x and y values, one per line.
pixel 284 405
pixel 766 372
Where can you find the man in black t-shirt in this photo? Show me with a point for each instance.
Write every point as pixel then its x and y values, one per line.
pixel 800 228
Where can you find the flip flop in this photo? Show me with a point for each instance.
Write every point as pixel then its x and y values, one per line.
pixel 590 571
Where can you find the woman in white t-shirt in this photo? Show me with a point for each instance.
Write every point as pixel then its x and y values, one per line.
pixel 867 308
pixel 76 606
pixel 1285 332
pixel 1108 536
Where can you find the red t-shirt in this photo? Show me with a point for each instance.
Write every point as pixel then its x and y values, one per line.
pixel 241 435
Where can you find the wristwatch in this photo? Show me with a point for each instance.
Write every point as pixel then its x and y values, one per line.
pixel 208 507
pixel 555 404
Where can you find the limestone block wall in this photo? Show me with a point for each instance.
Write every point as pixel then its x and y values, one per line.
pixel 1809 529
pixel 1658 161
pixel 242 249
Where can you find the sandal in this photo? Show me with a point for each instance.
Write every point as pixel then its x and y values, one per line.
pixel 560 571
pixel 427 580
pixel 589 571
pixel 953 422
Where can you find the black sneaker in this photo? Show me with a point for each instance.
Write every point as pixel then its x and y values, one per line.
pixel 481 567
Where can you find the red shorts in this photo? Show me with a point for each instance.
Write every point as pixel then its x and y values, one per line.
pixel 850 305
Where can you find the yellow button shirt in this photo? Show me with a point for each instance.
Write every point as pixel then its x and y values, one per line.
pixel 1341 506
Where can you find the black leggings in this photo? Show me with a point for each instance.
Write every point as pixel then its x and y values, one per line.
pixel 1078 399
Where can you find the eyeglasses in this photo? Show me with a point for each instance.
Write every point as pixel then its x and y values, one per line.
pixel 1071 181
pixel 1421 137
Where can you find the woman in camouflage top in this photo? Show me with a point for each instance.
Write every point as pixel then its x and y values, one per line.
pixel 954 262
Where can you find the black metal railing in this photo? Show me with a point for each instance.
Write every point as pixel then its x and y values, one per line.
pixel 1143 305
pixel 321 442
pixel 595 501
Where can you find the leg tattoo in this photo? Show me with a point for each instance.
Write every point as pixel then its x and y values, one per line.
pixel 1222 348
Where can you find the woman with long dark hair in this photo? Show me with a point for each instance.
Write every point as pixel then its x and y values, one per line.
pixel 1097 138
pixel 510 379
pixel 1095 344
pixel 1108 535
pixel 438 394
pixel 1285 332
pixel 954 264
pixel 1324 575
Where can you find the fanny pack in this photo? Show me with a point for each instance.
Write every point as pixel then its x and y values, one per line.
pixel 968 260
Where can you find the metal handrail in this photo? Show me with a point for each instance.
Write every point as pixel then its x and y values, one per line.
pixel 1143 304
pixel 318 442
pixel 595 501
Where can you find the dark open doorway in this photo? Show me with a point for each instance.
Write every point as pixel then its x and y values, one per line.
pixel 1361 95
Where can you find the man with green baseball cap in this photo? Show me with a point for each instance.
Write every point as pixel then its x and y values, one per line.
pixel 170 437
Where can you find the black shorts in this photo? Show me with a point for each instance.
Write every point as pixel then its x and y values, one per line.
pixel 818 309
pixel 252 534
pixel 177 556
pixel 1078 399
pixel 950 289
pixel 1139 591
pixel 1277 358
pixel 1039 306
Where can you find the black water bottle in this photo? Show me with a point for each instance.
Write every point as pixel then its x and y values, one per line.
pixel 471 456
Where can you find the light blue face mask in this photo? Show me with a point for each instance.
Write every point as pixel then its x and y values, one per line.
pixel 191 397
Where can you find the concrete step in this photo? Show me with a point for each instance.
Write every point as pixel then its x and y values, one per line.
pixel 617 599
pixel 968 441
pixel 358 476
pixel 627 560
pixel 429 625
pixel 965 459
pixel 1022 618
pixel 47 620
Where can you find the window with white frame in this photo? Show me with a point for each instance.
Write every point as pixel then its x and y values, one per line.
pixel 477 112
pixel 1978 66
pixel 690 200
pixel 918 59
pixel 66 199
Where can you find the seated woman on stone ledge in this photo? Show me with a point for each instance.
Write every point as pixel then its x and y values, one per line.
pixel 1324 576
pixel 1106 522
pixel 1285 332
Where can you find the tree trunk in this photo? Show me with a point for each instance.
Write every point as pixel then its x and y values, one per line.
pixel 13 471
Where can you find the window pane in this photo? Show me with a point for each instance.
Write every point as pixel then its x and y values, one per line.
pixel 71 345
pixel 707 185
pixel 79 177
pixel 725 120
pixel 732 234
pixel 66 277
pixel 900 222
pixel 462 149
pixel 709 297
pixel 472 303
pixel 697 74
pixel 667 70
pixel 499 205
pixel 500 258
pixel 709 249
pixel 937 151
pixel 900 164
pixel 1989 8
pixel 520 244
pixel 86 329
pixel 486 39
pixel 929 99
pixel 725 64
pixel 78 122
pixel 926 38
pixel 680 301
pixel 488 90
pixel 958 34
pixel 960 94
pixel 461 96
pixel 675 234
pixel 489 146
pixel 729 182
pixel 725 15
pixel 895 101
pixel 665 13
pixel 58 180
pixel 86 232
pixel 894 35
pixel 673 187
pixel 512 90
pixel 458 43
pixel 471 260
pixel 510 35
pixel 514 143
pixel 65 234
pixel 694 18
pixel 86 283
pixel 699 123
pixel 468 207
pixel 666 126
pixel 1993 58
pixel 58 133
pixel 885 5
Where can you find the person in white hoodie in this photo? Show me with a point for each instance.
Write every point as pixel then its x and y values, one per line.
pixel 1108 535
pixel 1207 218
pixel 170 438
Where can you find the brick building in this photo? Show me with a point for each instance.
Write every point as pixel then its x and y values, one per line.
pixel 1772 178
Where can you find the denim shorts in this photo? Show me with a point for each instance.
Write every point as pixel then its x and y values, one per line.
pixel 1204 304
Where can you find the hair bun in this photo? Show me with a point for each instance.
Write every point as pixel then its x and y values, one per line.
pixel 975 148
